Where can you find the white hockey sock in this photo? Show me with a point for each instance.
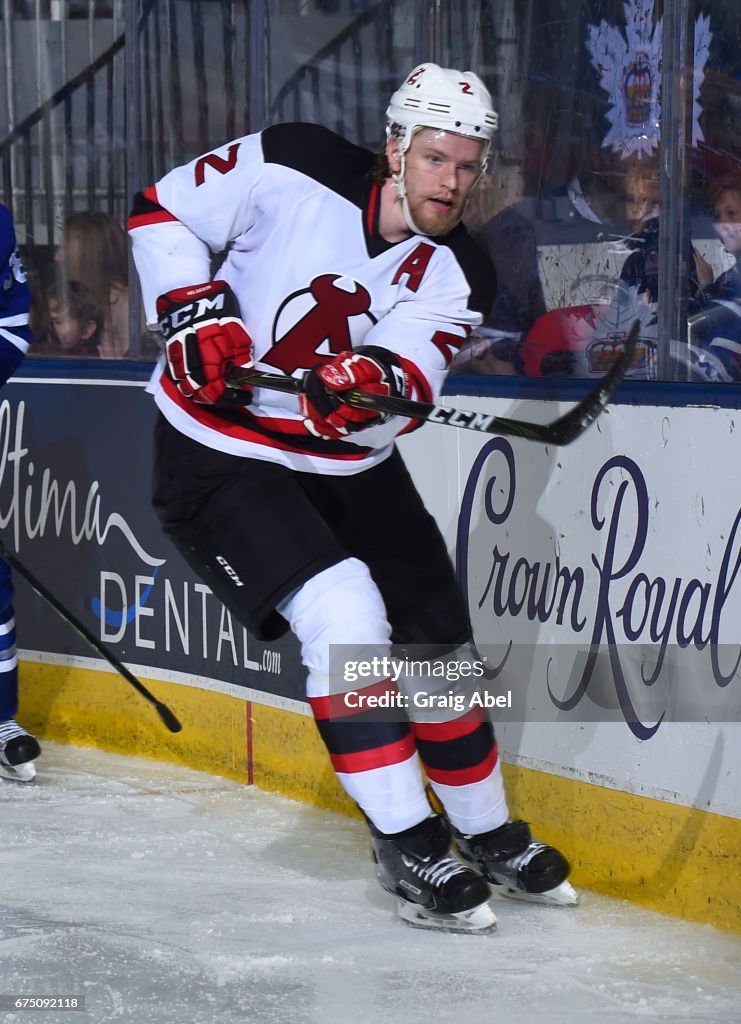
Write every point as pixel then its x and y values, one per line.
pixel 342 609
pixel 477 807
pixel 393 797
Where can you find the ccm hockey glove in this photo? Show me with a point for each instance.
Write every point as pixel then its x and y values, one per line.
pixel 204 336
pixel 371 369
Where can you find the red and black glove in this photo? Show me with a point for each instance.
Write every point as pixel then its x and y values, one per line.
pixel 371 369
pixel 204 336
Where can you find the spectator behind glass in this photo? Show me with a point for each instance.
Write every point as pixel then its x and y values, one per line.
pixel 495 220
pixel 502 217
pixel 76 320
pixel 94 251
pixel 642 208
pixel 716 327
pixel 508 236
pixel 642 196
pixel 725 197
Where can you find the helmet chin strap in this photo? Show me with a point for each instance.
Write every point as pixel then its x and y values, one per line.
pixel 398 180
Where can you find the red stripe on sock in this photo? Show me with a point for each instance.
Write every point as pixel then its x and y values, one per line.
pixel 464 776
pixel 440 732
pixel 377 757
pixel 354 702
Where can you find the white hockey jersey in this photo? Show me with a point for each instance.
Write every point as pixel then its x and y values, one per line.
pixel 294 211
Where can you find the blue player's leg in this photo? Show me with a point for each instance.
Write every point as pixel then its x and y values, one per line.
pixel 18 749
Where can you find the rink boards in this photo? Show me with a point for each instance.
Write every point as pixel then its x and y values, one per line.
pixel 603 582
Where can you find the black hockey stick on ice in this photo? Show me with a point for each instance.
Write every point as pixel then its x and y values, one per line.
pixel 562 431
pixel 163 711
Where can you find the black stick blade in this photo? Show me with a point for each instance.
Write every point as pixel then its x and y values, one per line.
pixel 573 423
pixel 168 717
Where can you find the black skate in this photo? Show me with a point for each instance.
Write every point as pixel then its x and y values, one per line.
pixel 519 866
pixel 434 889
pixel 18 751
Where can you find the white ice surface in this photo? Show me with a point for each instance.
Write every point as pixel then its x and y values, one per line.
pixel 166 895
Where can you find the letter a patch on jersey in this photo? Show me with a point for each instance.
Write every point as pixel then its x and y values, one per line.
pixel 414 266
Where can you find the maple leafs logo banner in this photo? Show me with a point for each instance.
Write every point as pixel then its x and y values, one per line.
pixel 629 65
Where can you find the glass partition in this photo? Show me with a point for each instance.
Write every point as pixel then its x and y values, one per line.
pixel 619 138
pixel 614 193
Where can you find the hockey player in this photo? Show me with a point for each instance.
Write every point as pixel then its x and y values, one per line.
pixel 18 749
pixel 299 513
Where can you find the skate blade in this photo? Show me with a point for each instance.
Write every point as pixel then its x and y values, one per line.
pixel 18 772
pixel 563 895
pixel 478 921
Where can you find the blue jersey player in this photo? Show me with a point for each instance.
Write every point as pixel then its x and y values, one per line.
pixel 18 749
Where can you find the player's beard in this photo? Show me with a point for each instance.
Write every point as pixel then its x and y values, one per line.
pixel 433 218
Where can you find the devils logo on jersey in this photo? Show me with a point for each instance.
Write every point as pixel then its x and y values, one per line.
pixel 331 316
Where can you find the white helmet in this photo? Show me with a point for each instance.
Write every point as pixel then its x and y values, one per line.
pixel 443 98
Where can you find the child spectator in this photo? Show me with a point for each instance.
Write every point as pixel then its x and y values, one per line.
pixel 716 327
pixel 725 197
pixel 94 251
pixel 76 319
pixel 642 210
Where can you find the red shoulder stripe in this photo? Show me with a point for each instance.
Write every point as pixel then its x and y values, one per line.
pixel 148 210
pixel 143 219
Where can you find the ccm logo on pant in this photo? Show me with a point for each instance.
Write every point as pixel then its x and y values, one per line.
pixel 229 571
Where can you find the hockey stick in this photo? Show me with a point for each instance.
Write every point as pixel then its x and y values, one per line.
pixel 163 711
pixel 561 431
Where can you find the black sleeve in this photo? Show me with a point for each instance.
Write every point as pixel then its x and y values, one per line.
pixel 321 154
pixel 478 268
